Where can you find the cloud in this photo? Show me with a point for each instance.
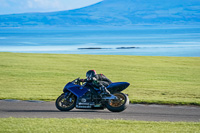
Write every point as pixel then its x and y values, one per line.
pixel 23 6
pixel 46 4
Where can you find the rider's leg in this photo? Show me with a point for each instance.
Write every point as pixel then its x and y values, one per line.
pixel 104 91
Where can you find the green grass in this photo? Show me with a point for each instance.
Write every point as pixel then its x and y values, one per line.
pixel 53 125
pixel 161 80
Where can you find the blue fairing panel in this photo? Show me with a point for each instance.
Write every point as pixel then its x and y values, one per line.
pixel 76 89
pixel 118 86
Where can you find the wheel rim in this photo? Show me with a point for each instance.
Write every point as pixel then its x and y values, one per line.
pixel 65 103
pixel 119 101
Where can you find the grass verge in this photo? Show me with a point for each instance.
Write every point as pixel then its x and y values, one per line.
pixel 160 80
pixel 41 125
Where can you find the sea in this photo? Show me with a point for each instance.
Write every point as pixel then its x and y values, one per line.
pixel 177 41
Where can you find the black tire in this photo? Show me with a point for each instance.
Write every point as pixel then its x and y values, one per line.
pixel 66 105
pixel 118 105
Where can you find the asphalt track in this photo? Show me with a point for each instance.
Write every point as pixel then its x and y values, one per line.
pixel 40 109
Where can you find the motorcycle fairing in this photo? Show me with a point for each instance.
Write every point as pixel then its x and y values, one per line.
pixel 118 86
pixel 75 89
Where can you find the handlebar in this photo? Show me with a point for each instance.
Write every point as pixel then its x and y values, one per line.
pixel 78 81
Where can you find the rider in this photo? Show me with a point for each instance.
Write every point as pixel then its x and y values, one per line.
pixel 98 80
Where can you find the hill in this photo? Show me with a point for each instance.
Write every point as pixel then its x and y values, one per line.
pixel 113 13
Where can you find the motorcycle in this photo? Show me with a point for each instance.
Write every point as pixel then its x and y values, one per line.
pixel 83 95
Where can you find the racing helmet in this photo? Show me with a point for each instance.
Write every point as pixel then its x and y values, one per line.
pixel 90 74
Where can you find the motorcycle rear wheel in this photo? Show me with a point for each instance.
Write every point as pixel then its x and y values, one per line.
pixel 64 104
pixel 118 105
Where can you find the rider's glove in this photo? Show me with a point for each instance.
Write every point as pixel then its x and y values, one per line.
pixel 94 79
pixel 82 80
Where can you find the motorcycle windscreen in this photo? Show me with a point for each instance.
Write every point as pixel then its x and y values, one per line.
pixel 76 89
pixel 118 86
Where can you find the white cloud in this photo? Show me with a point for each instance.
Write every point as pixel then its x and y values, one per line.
pixel 24 6
pixel 30 4
pixel 48 3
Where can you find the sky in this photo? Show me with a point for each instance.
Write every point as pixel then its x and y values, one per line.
pixel 27 6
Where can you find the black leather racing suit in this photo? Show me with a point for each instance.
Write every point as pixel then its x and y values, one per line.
pixel 100 81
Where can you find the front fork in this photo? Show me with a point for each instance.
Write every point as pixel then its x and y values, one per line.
pixel 67 95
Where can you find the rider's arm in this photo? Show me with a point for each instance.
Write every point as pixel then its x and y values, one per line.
pixel 96 83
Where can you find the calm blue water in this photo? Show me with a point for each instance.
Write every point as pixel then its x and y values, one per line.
pixel 176 41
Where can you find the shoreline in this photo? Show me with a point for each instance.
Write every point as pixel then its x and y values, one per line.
pixel 69 53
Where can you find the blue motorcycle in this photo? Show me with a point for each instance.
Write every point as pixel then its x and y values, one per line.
pixel 83 95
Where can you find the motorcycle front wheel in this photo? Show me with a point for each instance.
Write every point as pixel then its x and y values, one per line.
pixel 119 104
pixel 64 104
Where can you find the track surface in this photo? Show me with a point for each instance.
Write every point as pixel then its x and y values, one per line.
pixel 39 109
